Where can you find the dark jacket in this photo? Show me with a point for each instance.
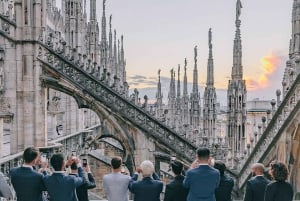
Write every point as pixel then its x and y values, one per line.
pixel 255 188
pixel 82 191
pixel 223 192
pixel 175 190
pixel 279 191
pixel 148 189
pixel 27 183
pixel 62 187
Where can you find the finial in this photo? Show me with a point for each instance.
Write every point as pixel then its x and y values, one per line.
pixel 110 18
pixel 178 69
pixel 159 73
pixel 122 39
pixel 238 8
pixel 195 52
pixel 209 37
pixel 185 63
pixel 104 5
pixel 171 72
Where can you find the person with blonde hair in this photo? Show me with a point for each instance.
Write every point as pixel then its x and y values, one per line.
pixel 149 188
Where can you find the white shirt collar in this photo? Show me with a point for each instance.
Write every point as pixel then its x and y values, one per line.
pixel 27 166
pixel 59 172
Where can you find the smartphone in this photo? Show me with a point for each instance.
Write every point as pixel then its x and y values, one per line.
pixel 73 154
pixel 43 158
pixel 84 162
pixel 123 168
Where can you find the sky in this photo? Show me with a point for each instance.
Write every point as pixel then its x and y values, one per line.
pixel 159 34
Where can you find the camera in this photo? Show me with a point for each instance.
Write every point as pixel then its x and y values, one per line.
pixel 84 162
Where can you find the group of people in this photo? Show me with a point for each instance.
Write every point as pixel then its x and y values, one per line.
pixel 32 184
pixel 204 181
pixel 201 182
pixel 259 188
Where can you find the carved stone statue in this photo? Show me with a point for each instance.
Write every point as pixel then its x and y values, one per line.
pixel 238 8
pixel 209 37
pixel 195 54
pixel 1 78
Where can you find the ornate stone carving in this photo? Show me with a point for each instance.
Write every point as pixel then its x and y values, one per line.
pixel 117 103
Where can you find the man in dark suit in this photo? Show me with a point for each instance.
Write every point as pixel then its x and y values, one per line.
pixel 256 186
pixel 223 192
pixel 28 183
pixel 202 180
pixel 175 190
pixel 62 187
pixel 82 191
pixel 148 189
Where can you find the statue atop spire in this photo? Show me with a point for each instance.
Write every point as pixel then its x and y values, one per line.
pixel 195 54
pixel 238 8
pixel 104 5
pixel 209 38
pixel 110 18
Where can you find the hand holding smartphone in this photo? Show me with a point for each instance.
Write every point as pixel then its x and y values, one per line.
pixel 43 158
pixel 84 162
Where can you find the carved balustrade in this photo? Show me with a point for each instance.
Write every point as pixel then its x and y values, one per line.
pixel 282 117
pixel 65 144
pixel 91 85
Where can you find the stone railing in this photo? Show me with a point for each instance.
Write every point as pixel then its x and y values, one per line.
pixel 72 70
pixel 282 117
pixel 65 144
pixel 75 142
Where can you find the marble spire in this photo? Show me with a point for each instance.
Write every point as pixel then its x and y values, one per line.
pixel 209 96
pixel 237 68
pixel 237 97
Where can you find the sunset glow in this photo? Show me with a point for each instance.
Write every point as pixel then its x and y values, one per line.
pixel 269 65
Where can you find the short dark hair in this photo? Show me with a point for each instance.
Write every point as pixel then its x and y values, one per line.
pixel 219 165
pixel 279 171
pixel 57 161
pixel 30 154
pixel 116 162
pixel 74 166
pixel 203 153
pixel 177 167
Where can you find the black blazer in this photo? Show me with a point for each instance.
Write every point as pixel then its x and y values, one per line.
pixel 223 192
pixel 175 190
pixel 27 183
pixel 279 191
pixel 82 191
pixel 255 189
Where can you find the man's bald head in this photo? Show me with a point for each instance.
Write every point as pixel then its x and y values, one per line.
pixel 258 168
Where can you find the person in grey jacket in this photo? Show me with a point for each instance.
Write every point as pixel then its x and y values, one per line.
pixel 115 184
